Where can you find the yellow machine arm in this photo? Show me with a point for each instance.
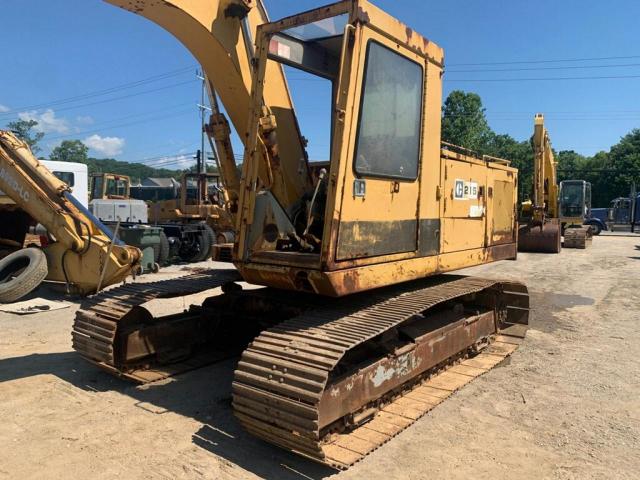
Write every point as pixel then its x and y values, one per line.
pixel 545 185
pixel 541 230
pixel 82 254
pixel 220 35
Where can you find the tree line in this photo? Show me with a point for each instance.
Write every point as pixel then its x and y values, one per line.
pixel 611 173
pixel 464 123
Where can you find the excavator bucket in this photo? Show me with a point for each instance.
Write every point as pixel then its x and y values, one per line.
pixel 543 238
pixel 578 236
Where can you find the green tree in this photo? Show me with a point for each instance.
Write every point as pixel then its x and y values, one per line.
pixel 464 122
pixel 571 165
pixel 521 156
pixel 70 151
pixel 624 161
pixel 24 129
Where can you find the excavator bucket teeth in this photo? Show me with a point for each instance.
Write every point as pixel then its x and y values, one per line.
pixel 540 239
pixel 325 384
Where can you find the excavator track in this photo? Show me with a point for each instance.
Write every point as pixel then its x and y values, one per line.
pixel 334 384
pixel 578 237
pixel 113 331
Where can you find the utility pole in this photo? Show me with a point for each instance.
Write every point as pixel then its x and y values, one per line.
pixel 634 201
pixel 203 120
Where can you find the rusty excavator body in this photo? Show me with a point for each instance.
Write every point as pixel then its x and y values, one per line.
pixel 355 333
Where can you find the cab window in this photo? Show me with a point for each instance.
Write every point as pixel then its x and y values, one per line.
pixel 116 187
pixel 388 141
pixel 66 177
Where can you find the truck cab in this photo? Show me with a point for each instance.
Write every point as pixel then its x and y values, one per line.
pixel 623 214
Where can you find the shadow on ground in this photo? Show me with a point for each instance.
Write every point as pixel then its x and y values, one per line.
pixel 204 395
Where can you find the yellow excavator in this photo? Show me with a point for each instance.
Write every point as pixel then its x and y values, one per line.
pixel 555 210
pixel 80 252
pixel 355 333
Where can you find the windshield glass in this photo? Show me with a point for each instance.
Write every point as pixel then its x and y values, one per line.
pixel 572 199
pixel 116 187
pixel 327 27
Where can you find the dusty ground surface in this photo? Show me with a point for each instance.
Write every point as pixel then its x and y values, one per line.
pixel 566 405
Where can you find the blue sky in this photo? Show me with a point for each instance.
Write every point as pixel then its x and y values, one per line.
pixel 56 49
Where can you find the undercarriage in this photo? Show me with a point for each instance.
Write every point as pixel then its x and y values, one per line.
pixel 330 381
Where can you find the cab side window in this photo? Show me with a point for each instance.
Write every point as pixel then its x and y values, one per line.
pixel 67 177
pixel 390 124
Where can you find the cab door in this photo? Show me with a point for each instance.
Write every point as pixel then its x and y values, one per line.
pixel 379 209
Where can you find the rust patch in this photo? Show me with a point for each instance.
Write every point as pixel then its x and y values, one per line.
pixel 362 16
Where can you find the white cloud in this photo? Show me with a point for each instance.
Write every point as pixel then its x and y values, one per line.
pixel 174 162
pixel 47 121
pixel 4 109
pixel 84 120
pixel 109 146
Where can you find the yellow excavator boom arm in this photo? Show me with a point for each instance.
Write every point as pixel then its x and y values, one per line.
pixel 79 254
pixel 545 184
pixel 217 33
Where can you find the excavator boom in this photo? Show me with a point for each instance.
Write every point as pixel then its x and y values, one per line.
pixel 220 35
pixel 84 254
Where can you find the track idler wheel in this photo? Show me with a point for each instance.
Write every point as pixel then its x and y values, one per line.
pixel 543 238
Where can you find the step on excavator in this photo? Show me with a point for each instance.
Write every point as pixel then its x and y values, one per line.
pixel 554 210
pixel 77 251
pixel 355 330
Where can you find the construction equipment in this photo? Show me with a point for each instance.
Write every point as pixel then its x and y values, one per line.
pixel 555 210
pixel 80 252
pixel 200 201
pixel 367 344
pixel 575 210
pixel 540 229
pixel 191 223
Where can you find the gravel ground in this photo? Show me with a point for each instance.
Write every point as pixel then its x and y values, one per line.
pixel 564 406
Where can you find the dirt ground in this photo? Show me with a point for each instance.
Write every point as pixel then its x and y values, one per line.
pixel 566 405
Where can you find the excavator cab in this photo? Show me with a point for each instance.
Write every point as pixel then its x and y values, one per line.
pixel 109 186
pixel 369 207
pixel 575 208
pixel 201 189
pixel 575 202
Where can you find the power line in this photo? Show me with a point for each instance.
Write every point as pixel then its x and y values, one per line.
pixel 135 115
pixel 624 65
pixel 538 79
pixel 109 100
pixel 85 132
pixel 520 62
pixel 99 93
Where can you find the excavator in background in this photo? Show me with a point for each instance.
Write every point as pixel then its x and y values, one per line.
pixel 351 332
pixel 78 251
pixel 550 213
pixel 575 211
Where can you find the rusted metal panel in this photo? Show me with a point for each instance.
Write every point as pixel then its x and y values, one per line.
pixel 357 239
pixel 429 237
pixel 352 393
